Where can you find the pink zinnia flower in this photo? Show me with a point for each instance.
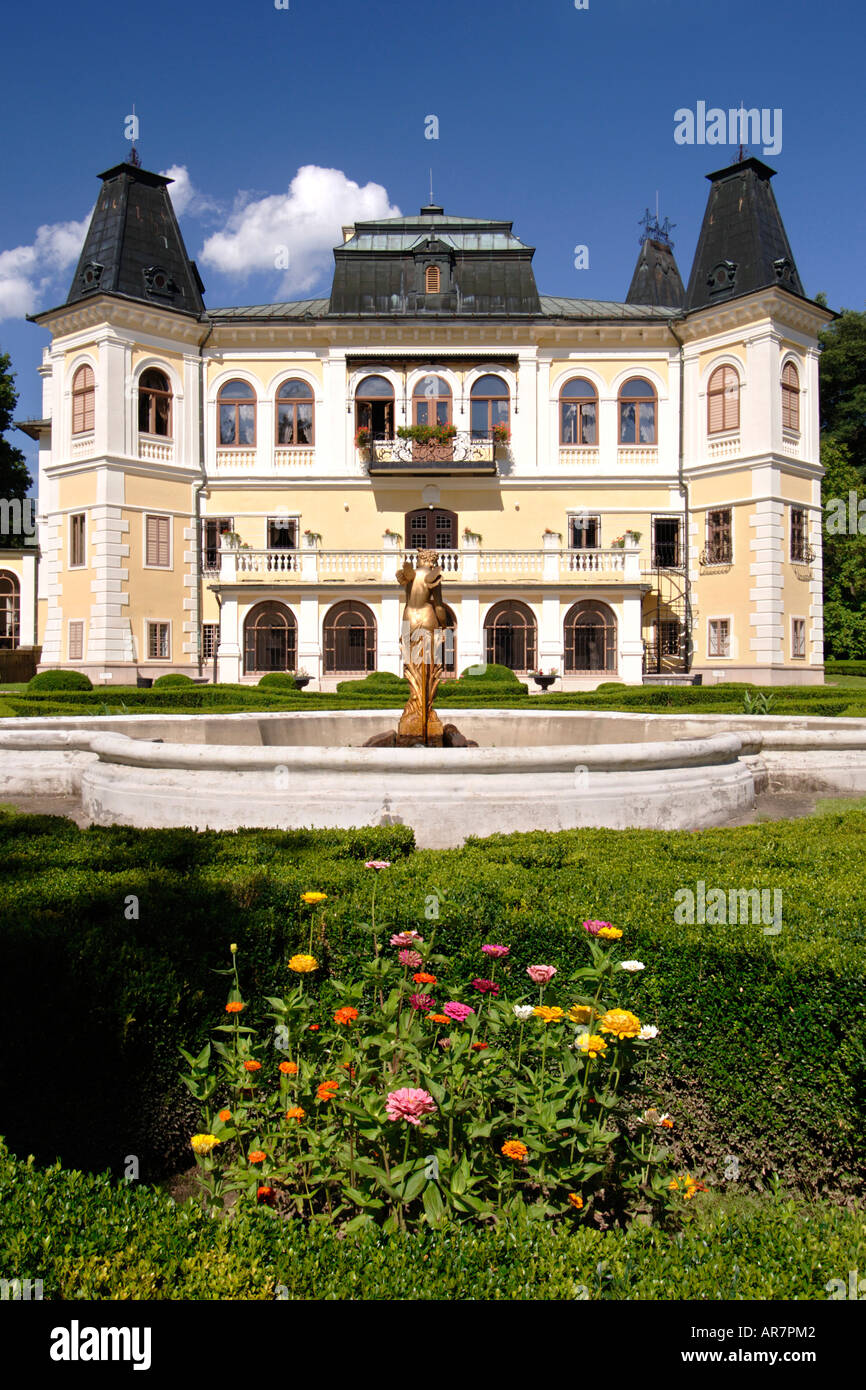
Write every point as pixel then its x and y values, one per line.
pixel 496 951
pixel 485 986
pixel 541 974
pixel 595 927
pixel 406 938
pixel 413 958
pixel 444 1042
pixel 410 1105
pixel 378 864
pixel 423 1001
pixel 459 1012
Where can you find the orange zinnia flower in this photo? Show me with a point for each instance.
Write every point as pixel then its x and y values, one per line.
pixel 257 1156
pixel 289 1068
pixel 345 1015
pixel 439 1018
pixel 296 1113
pixel 479 1047
pixel 225 1115
pixel 422 978
pixel 314 1027
pixel 576 1200
pixel 234 1007
pixel 252 1066
pixel 512 1148
pixel 327 1090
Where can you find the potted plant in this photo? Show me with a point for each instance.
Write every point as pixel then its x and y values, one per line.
pixel 501 434
pixel 633 536
pixel 363 437
pixel 302 678
pixel 312 537
pixel 395 535
pixel 618 544
pixel 432 443
pixel 545 679
pixel 469 535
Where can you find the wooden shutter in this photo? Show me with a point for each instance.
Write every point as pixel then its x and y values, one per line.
pixel 790 397
pixel 158 547
pixel 76 641
pixel 83 398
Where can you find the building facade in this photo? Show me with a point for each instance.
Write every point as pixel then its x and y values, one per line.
pixel 616 491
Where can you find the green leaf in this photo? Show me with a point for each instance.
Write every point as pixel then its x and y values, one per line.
pixel 434 1207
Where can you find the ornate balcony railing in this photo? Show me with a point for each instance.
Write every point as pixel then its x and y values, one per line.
pixel 463 454
pixel 156 450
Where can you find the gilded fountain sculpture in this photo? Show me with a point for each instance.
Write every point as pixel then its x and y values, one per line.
pixel 425 620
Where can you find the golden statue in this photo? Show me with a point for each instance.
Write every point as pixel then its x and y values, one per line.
pixel 424 622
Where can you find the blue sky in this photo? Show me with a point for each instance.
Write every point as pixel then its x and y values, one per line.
pixel 559 119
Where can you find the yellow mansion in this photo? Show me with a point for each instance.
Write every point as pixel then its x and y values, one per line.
pixel 616 491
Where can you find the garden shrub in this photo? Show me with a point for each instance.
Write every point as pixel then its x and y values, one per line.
pixel 89 1238
pixel 277 680
pixel 60 680
pixel 173 678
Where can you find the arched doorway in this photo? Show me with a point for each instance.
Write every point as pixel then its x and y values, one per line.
pixel 510 636
pixel 590 637
pixel 350 639
pixel 374 407
pixel 10 611
pixel 270 639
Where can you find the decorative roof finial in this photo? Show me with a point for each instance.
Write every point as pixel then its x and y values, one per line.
pixel 655 230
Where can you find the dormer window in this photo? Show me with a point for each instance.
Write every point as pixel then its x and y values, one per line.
pixel 91 275
pixel 158 283
pixel 432 280
pixel 722 277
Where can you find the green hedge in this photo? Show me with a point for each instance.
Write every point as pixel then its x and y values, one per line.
pixel 60 680
pixel 87 1238
pixel 762 1050
pixel 172 679
pixel 844 668
pixel 277 680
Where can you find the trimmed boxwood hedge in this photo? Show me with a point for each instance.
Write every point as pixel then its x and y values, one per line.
pixel 172 678
pixel 277 680
pixel 762 1049
pixel 844 668
pixel 60 680
pixel 89 1238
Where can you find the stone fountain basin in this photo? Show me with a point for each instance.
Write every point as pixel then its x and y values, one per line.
pixel 533 770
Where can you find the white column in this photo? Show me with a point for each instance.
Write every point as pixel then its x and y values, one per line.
pixel 469 561
pixel 229 650
pixel 27 612
pixel 309 559
pixel 309 646
pixel 630 640
pixel 389 657
pixel 551 545
pixel 470 638
pixel 551 653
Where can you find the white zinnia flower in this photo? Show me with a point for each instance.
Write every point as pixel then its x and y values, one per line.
pixel 523 1011
pixel 632 965
pixel 648 1032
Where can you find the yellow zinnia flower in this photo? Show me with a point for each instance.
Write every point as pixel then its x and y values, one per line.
pixel 302 965
pixel 580 1013
pixel 620 1022
pixel 548 1014
pixel 592 1044
pixel 610 933
pixel 313 898
pixel 203 1143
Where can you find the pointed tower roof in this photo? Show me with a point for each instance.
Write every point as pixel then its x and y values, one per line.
pixel 743 245
pixel 134 246
pixel 656 278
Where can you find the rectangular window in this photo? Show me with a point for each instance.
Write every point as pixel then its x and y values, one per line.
pixel 158 642
pixel 76 641
pixel 158 542
pixel 720 547
pixel 666 542
pixel 798 638
pixel 282 533
pixel 214 527
pixel 77 533
pixel 720 637
pixel 584 532
pixel 798 534
pixel 210 636
pixel 669 638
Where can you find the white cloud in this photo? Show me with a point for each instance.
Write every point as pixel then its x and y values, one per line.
pixel 27 273
pixel 304 222
pixel 185 197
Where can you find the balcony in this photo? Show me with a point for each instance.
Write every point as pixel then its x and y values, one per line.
pixel 282 461
pixel 155 448
pixel 462 454
pixel 469 565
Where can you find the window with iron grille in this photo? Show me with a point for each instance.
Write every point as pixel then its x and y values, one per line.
pixel 77 524
pixel 720 545
pixel 76 641
pixel 720 637
pixel 158 542
pixel 10 611
pixel 798 535
pixel 669 638
pixel 210 637
pixel 159 641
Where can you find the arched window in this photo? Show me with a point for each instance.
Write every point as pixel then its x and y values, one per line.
pixel 374 407
pixel 350 639
pixel 237 415
pixel 723 401
pixel 790 397
pixel 489 406
pixel 431 528
pixel 510 635
pixel 578 412
pixel 431 401
pixel 83 400
pixel 154 403
pixel 10 607
pixel 270 638
pixel 590 637
pixel 432 280
pixel 637 412
pixel 294 413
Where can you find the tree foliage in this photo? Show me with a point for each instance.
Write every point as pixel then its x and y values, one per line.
pixel 843 384
pixel 844 553
pixel 15 478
